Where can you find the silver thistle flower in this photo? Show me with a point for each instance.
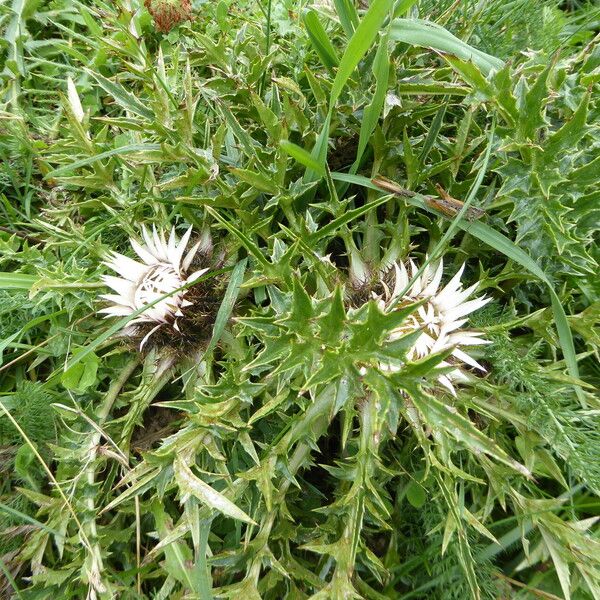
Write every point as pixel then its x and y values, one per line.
pixel 164 268
pixel 440 318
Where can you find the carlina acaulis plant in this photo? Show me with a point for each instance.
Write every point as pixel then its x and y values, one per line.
pixel 317 407
pixel 181 321
pixel 441 318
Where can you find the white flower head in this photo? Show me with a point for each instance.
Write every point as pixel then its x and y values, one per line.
pixel 165 267
pixel 441 317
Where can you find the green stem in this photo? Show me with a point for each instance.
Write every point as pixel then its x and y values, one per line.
pixel 350 539
pixel 204 579
pixel 95 556
pixel 144 396
pixel 267 46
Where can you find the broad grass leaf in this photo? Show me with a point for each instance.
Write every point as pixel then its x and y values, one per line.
pixel 320 39
pixel 319 152
pixel 381 69
pixel 302 156
pixel 403 6
pixel 348 16
pixel 432 134
pixel 359 45
pixel 502 244
pixel 431 35
pixel 227 304
pixel 355 180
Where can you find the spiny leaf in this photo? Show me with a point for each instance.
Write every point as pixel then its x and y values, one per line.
pixel 446 417
pixel 126 99
pixel 190 485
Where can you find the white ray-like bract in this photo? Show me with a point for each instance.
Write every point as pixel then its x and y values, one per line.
pixel 441 317
pixel 164 268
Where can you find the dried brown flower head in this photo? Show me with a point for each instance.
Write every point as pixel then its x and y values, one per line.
pixel 169 13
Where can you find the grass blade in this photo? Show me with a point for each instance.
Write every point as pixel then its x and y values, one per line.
pixel 320 40
pixel 224 312
pixel 348 16
pixel 17 513
pixel 302 156
pixel 381 70
pixel 359 45
pixel 418 32
pixel 502 244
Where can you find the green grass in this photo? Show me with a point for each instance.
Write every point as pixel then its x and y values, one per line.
pixel 271 455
